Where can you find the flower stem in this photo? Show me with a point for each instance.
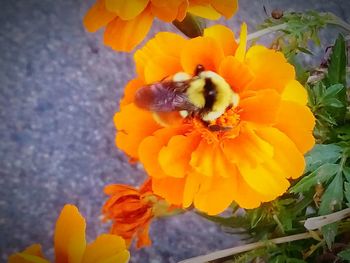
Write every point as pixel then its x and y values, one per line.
pixel 266 31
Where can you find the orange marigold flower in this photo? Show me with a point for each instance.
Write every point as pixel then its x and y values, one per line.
pixel 131 211
pixel 127 22
pixel 270 128
pixel 70 244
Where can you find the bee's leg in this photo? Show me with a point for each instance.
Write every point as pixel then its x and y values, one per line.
pixel 199 69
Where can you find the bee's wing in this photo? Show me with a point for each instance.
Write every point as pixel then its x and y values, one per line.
pixel 164 96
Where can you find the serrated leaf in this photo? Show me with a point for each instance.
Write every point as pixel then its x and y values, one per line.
pixel 347 192
pixel 321 175
pixel 337 65
pixel 344 255
pixel 346 172
pixel 333 196
pixel 329 233
pixel 321 154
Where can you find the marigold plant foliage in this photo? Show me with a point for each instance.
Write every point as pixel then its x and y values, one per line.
pixel 249 163
pixel 70 244
pixel 130 209
pixel 127 22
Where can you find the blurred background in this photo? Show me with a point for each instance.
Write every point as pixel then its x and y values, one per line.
pixel 59 90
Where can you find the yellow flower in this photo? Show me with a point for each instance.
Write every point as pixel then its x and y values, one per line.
pixel 128 21
pixel 249 163
pixel 71 247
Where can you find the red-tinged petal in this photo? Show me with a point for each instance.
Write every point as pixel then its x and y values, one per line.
pixel 260 107
pixel 97 16
pixel 170 188
pixel 126 9
pixel 105 248
pixel 69 238
pixel 270 67
pixel 143 236
pixel 133 126
pixel 129 91
pixel 124 35
pixel 201 50
pixel 224 37
pixel 295 92
pixel 286 154
pixel 297 122
pixel 225 7
pixel 163 44
pixel 174 158
pixel 236 73
pixel 220 195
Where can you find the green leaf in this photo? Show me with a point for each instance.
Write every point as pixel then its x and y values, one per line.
pixel 333 196
pixel 347 192
pixel 337 65
pixel 321 154
pixel 344 255
pixel 329 233
pixel 321 175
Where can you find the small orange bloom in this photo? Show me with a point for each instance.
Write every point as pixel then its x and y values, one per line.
pixel 128 21
pixel 70 244
pixel 130 210
pixel 249 163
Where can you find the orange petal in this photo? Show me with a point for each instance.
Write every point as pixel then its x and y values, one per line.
pixel 105 248
pixel 248 198
pixel 286 154
pixel 237 74
pixel 31 254
pixel 204 10
pixel 174 158
pixel 69 238
pixel 220 195
pixel 148 152
pixel 173 194
pixel 163 44
pixel 124 35
pixel 260 107
pixel 270 67
pixel 126 9
pixel 295 92
pixel 143 236
pixel 167 10
pixel 242 46
pixel 97 16
pixel 182 11
pixel 225 7
pixel 224 37
pixel 297 122
pixel 201 50
pixel 160 67
pixel 129 91
pixel 133 126
pixel 150 147
pixel 248 147
pixel 191 188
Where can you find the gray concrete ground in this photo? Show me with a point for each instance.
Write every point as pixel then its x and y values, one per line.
pixel 59 89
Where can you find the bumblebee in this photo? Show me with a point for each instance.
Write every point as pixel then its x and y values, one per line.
pixel 205 95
